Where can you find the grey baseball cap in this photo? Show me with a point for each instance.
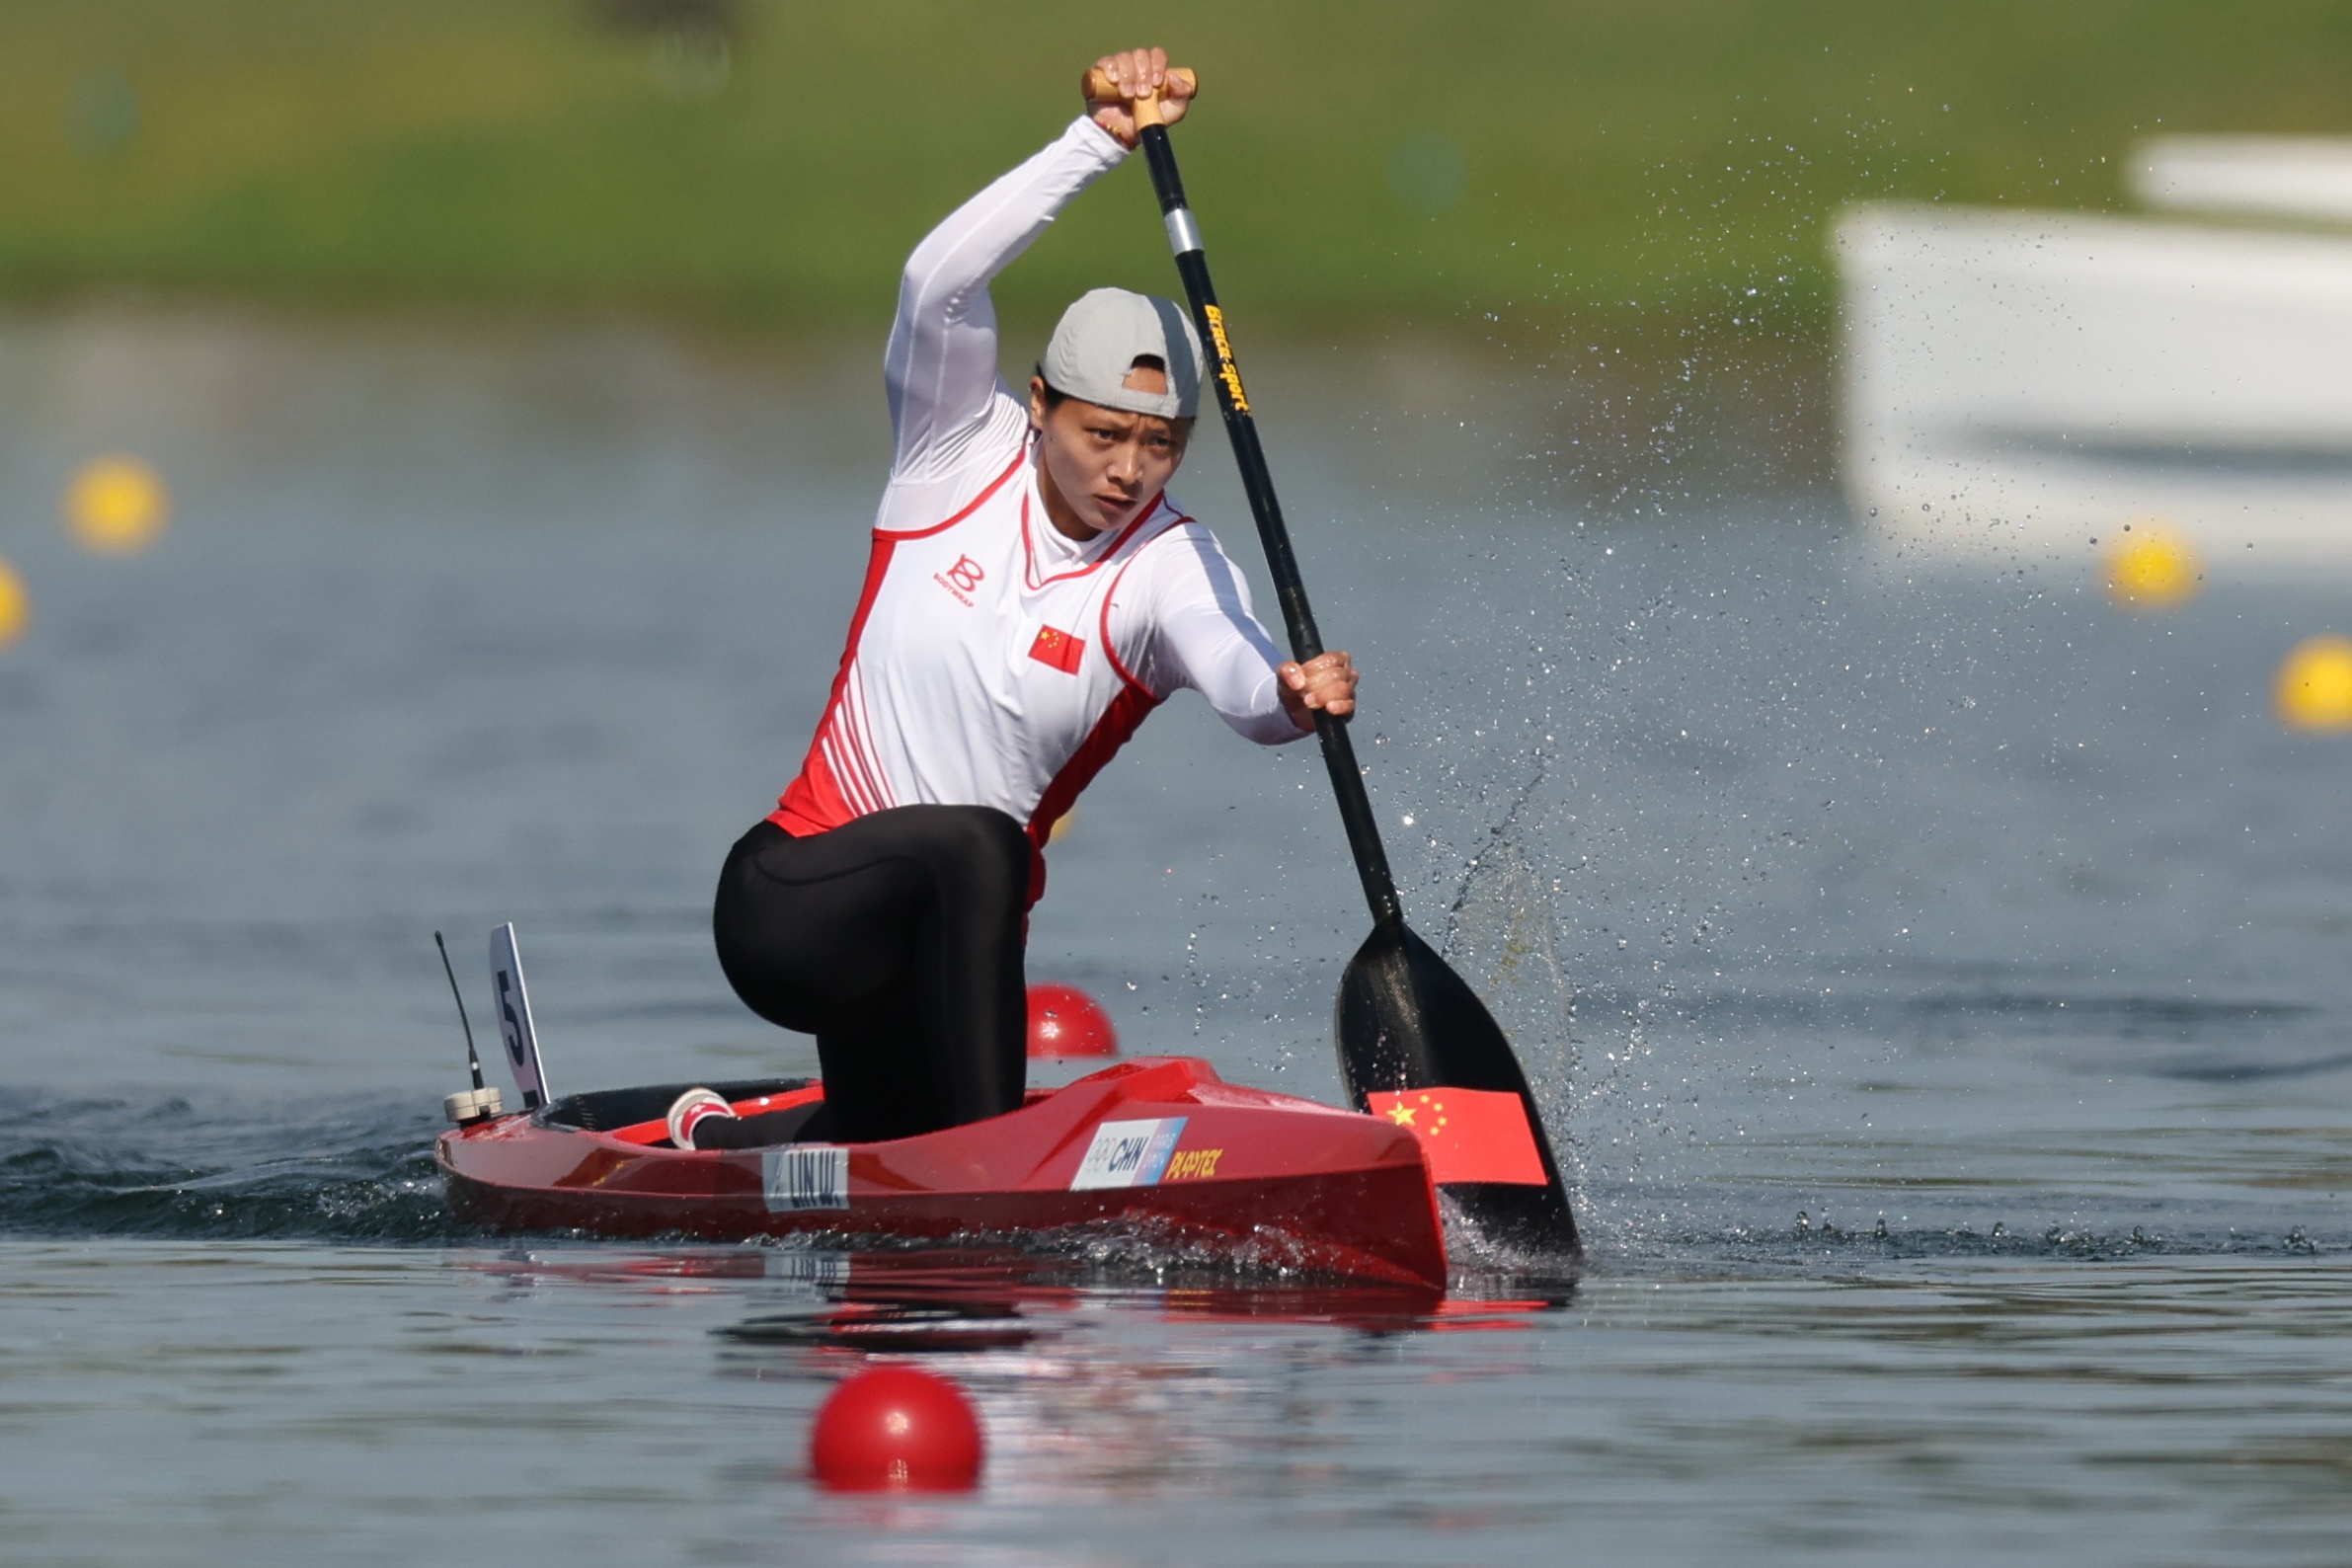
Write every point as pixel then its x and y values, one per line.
pixel 1103 334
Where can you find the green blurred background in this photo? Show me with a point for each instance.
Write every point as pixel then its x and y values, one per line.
pixel 769 163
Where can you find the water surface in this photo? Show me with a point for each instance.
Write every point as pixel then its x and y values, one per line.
pixel 1935 981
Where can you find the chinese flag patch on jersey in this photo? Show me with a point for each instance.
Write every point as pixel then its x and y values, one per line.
pixel 1058 648
pixel 1468 1135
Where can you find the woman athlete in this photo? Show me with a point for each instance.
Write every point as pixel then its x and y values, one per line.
pixel 1033 594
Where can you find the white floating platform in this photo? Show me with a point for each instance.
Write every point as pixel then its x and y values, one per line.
pixel 2020 383
pixel 2300 179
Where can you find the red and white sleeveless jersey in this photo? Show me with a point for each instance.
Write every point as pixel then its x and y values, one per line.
pixel 992 661
pixel 982 671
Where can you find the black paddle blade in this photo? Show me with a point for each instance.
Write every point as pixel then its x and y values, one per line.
pixel 1407 1021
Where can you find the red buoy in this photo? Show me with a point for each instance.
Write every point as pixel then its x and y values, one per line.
pixel 897 1427
pixel 1063 1021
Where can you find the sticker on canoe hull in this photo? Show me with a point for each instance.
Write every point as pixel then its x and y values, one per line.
pixel 802 1176
pixel 1194 1164
pixel 1129 1153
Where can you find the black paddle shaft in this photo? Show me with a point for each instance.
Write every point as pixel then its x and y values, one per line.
pixel 1339 753
pixel 1404 1020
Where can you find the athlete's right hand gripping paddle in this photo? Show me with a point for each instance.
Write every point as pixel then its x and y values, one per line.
pixel 1411 1032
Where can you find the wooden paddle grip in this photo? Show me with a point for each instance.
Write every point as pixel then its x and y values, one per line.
pixel 1100 89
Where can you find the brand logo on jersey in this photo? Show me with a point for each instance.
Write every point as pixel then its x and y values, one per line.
pixel 960 578
pixel 1060 648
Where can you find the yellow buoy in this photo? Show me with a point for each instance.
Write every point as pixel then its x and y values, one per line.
pixel 15 605
pixel 2315 685
pixel 117 505
pixel 1060 826
pixel 2152 568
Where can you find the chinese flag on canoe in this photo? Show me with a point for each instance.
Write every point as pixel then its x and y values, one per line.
pixel 1468 1135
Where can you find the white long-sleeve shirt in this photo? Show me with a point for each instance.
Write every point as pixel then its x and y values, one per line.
pixel 992 661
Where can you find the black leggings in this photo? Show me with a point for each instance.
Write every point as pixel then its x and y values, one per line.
pixel 895 940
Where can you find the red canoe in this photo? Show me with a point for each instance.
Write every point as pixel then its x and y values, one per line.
pixel 1160 1142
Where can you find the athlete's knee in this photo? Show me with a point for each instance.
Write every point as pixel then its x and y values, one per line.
pixel 1001 844
pixel 985 844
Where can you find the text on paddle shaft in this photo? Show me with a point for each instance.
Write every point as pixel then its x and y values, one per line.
pixel 1226 370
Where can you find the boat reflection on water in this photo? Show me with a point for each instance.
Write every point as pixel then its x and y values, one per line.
pixel 936 1300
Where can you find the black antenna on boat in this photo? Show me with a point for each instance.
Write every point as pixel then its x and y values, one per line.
pixel 481 1102
pixel 471 1061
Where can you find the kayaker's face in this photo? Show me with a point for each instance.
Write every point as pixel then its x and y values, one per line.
pixel 1102 466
